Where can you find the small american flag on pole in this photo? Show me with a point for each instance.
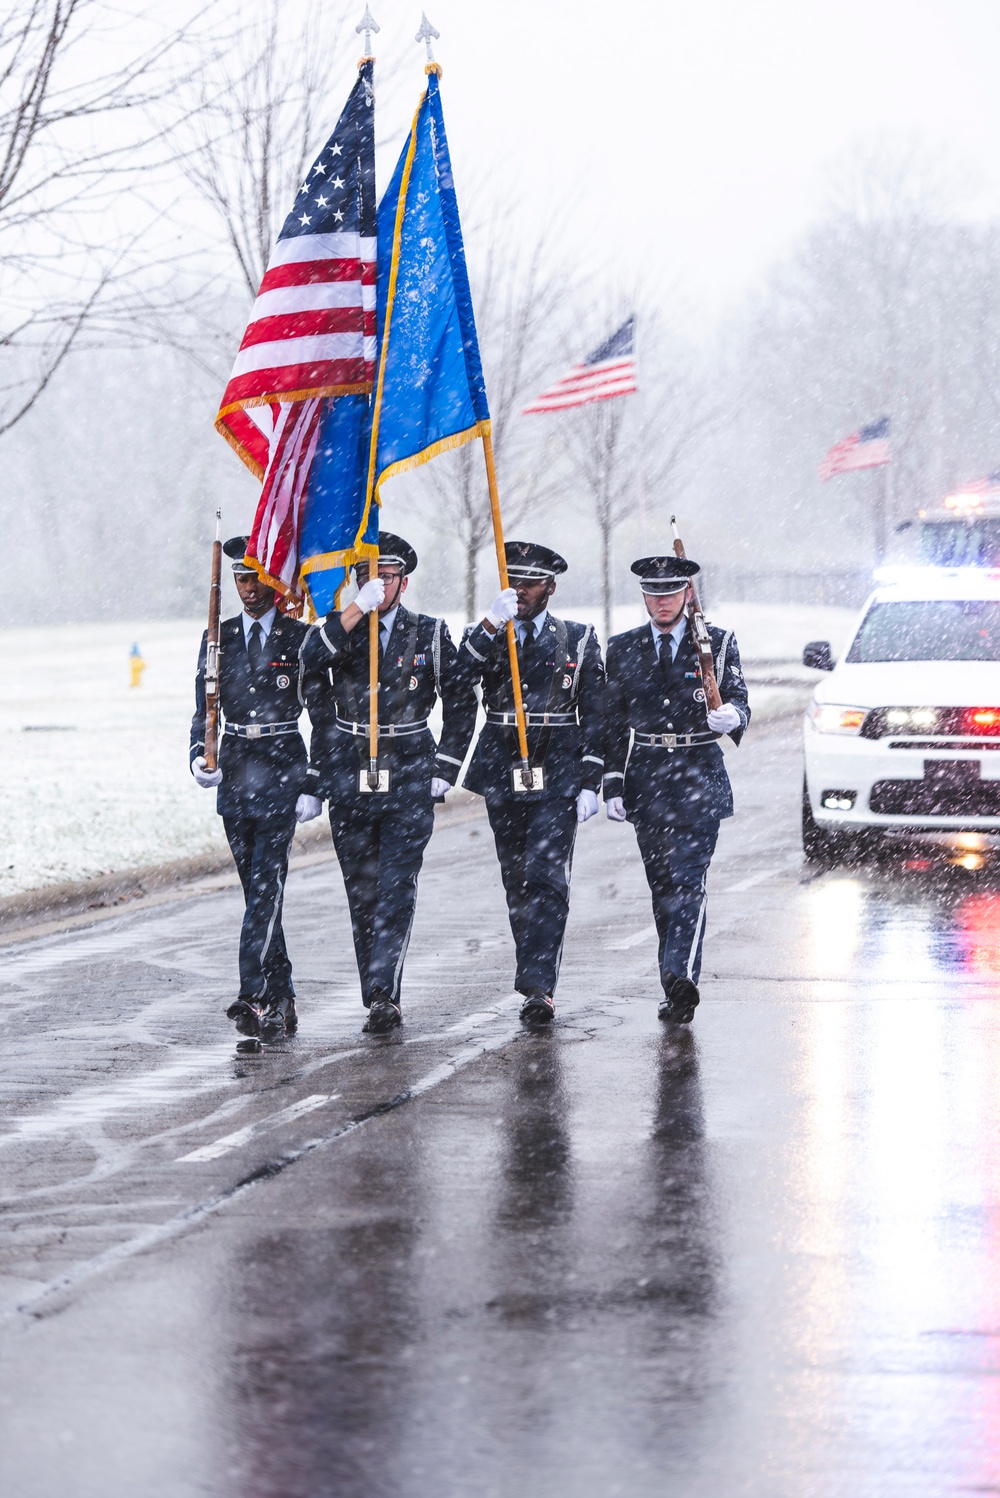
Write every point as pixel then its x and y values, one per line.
pixel 609 371
pixel 868 448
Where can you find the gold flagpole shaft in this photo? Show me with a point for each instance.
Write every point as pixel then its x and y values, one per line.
pixel 373 623
pixel 515 673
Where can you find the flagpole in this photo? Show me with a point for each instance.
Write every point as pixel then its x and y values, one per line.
pixel 527 774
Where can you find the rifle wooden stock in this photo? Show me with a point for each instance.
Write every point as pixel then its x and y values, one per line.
pixel 702 638
pixel 212 655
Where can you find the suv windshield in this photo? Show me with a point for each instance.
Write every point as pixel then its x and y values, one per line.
pixel 940 629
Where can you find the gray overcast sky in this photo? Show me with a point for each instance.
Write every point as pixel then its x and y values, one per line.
pixel 687 140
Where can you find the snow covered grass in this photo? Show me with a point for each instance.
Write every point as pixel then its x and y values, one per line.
pixel 94 771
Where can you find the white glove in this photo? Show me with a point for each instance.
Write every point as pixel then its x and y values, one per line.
pixel 615 808
pixel 205 778
pixel 503 607
pixel 586 805
pixel 307 807
pixel 371 595
pixel 724 719
pixel 439 787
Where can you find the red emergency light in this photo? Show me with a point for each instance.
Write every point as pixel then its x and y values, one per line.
pixel 981 720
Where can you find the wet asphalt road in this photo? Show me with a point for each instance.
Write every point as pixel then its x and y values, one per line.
pixel 761 1257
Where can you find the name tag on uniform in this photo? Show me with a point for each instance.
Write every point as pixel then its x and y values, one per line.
pixel 537 780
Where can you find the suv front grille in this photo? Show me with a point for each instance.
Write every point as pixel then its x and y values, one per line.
pixel 950 788
pixel 958 722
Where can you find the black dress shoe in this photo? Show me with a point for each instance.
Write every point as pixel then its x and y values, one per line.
pixel 537 1009
pixel 246 1013
pixel 274 1021
pixel 383 1016
pixel 679 1008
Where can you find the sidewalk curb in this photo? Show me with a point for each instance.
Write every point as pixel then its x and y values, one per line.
pixel 81 900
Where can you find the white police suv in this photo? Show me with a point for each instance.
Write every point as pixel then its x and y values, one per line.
pixel 902 738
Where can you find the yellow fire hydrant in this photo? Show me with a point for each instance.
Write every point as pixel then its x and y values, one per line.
pixel 137 664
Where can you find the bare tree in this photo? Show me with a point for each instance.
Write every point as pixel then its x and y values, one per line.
pixel 616 449
pixel 77 144
pixel 887 308
pixel 259 116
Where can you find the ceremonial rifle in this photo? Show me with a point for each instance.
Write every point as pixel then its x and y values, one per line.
pixel 702 638
pixel 212 652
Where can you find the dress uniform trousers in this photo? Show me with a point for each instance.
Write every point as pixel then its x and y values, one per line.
pixel 676 860
pixel 534 842
pixel 260 842
pixel 381 849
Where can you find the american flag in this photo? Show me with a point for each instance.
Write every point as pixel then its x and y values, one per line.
pixel 988 487
pixel 311 334
pixel 609 371
pixel 868 448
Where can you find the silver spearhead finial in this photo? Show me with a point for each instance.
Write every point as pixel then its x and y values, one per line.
pixel 367 24
pixel 427 34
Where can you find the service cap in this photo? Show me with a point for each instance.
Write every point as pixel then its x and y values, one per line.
pixel 666 574
pixel 395 551
pixel 236 547
pixel 530 562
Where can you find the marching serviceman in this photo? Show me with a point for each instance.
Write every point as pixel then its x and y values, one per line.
pixel 380 835
pixel 263 785
pixel 672 786
pixel 562 683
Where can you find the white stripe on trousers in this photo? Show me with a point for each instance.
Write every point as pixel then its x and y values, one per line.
pixel 274 913
pixel 699 926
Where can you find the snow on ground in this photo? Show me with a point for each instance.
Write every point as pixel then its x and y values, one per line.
pixel 94 772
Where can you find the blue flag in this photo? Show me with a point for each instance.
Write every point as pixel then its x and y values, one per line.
pixel 336 528
pixel 430 394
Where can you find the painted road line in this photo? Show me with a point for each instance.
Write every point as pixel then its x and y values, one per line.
pixel 733 889
pixel 633 940
pixel 243 1136
pixel 153 1237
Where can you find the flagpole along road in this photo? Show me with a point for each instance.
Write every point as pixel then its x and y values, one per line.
pixel 756 1259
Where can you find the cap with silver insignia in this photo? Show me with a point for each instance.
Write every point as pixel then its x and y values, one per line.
pixel 529 562
pixel 667 574
pixel 236 547
pixel 393 551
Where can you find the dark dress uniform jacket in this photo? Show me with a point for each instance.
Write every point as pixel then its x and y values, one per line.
pixel 265 774
pixel 682 786
pixel 561 672
pixel 418 665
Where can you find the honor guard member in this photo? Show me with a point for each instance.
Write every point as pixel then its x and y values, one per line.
pixel 672 785
pixel 263 785
pixel 562 685
pixel 380 835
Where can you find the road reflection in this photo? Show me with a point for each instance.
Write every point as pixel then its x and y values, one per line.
pixel 324 1324
pixel 899 1166
pixel 892 922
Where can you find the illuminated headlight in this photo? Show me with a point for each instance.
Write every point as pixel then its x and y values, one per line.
pixel 829 719
pixel 902 718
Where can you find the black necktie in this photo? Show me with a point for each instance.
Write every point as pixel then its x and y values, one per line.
pixel 529 635
pixel 255 646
